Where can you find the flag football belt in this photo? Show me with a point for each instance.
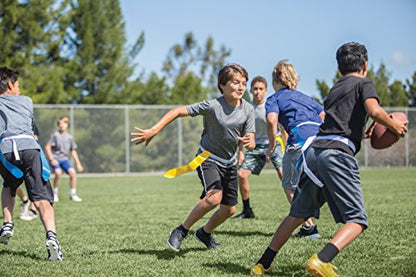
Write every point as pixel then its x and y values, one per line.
pixel 309 141
pixel 14 170
pixel 279 139
pixel 202 156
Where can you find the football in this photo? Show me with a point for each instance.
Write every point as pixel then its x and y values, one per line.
pixel 382 137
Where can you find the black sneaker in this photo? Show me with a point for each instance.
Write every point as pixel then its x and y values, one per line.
pixel 245 214
pixel 53 247
pixel 207 239
pixel 6 232
pixel 308 232
pixel 175 238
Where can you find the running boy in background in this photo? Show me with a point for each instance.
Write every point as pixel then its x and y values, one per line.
pixel 300 116
pixel 27 208
pixel 21 159
pixel 254 160
pixel 331 172
pixel 230 118
pixel 59 146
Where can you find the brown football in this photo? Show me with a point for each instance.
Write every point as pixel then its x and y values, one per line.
pixel 382 137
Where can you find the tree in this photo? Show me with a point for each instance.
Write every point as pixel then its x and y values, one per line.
pixel 99 67
pixel 204 62
pixel 187 90
pixel 411 92
pixel 381 82
pixel 31 33
pixel 398 96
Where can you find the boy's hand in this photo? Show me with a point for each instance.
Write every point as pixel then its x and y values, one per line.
pixel 400 127
pixel 369 131
pixel 54 162
pixel 142 136
pixel 245 140
pixel 80 168
pixel 270 152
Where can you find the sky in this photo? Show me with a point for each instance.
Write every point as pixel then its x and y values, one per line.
pixel 262 32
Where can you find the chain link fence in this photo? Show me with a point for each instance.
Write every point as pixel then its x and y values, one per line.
pixel 102 133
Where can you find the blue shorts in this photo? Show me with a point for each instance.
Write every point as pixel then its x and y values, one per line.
pixel 342 190
pixel 64 164
pixel 254 160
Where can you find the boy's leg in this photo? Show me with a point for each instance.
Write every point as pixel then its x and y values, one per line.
pixel 205 205
pixel 281 236
pixel 244 187
pixel 7 203
pixel 73 185
pixel 47 215
pixel 56 183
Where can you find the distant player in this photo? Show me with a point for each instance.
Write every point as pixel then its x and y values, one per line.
pixel 228 121
pixel 254 160
pixel 58 148
pixel 21 159
pixel 331 172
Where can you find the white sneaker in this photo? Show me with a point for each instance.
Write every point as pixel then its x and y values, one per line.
pixel 6 232
pixel 24 208
pixel 29 216
pixel 75 198
pixel 55 197
pixel 53 247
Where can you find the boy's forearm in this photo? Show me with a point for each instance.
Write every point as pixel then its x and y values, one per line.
pixel 169 117
pixel 48 152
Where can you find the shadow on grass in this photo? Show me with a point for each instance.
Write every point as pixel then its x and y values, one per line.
pixel 244 233
pixel 26 254
pixel 164 254
pixel 234 268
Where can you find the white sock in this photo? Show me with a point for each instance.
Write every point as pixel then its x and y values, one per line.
pixel 73 191
pixel 55 190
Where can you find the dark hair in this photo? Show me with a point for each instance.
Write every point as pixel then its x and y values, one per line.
pixel 351 57
pixel 6 75
pixel 228 71
pixel 258 79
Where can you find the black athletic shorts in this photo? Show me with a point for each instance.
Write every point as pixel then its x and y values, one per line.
pixel 213 176
pixel 31 166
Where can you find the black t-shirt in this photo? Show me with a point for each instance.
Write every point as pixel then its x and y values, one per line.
pixel 345 113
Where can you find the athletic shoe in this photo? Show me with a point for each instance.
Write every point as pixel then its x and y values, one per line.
pixel 176 237
pixel 31 215
pixel 6 232
pixel 318 268
pixel 308 232
pixel 207 239
pixel 24 208
pixel 245 214
pixel 55 198
pixel 75 198
pixel 53 247
pixel 259 270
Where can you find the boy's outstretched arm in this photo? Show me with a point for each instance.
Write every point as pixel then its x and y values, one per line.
pixel 147 135
pixel 379 115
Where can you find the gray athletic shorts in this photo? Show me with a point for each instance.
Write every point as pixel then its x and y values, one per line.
pixel 342 190
pixel 290 172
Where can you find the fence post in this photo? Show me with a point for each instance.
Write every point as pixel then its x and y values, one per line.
pixel 180 127
pixel 127 137
pixel 406 111
pixel 71 119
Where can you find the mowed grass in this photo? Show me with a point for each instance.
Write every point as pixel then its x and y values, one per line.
pixel 121 228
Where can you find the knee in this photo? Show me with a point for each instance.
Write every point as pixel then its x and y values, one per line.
pixel 243 174
pixel 213 199
pixel 228 210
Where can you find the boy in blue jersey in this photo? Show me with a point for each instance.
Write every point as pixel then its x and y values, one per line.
pixel 228 121
pixel 21 159
pixel 300 116
pixel 331 172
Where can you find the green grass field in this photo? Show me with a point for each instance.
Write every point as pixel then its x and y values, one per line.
pixel 122 226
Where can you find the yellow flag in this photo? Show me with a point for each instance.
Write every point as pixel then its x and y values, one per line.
pixel 192 165
pixel 282 144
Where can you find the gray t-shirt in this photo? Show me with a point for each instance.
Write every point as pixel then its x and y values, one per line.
pixel 61 145
pixel 222 124
pixel 260 118
pixel 16 118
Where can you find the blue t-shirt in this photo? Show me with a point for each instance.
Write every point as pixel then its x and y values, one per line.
pixel 297 113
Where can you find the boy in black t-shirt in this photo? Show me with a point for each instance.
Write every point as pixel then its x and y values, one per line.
pixel 331 171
